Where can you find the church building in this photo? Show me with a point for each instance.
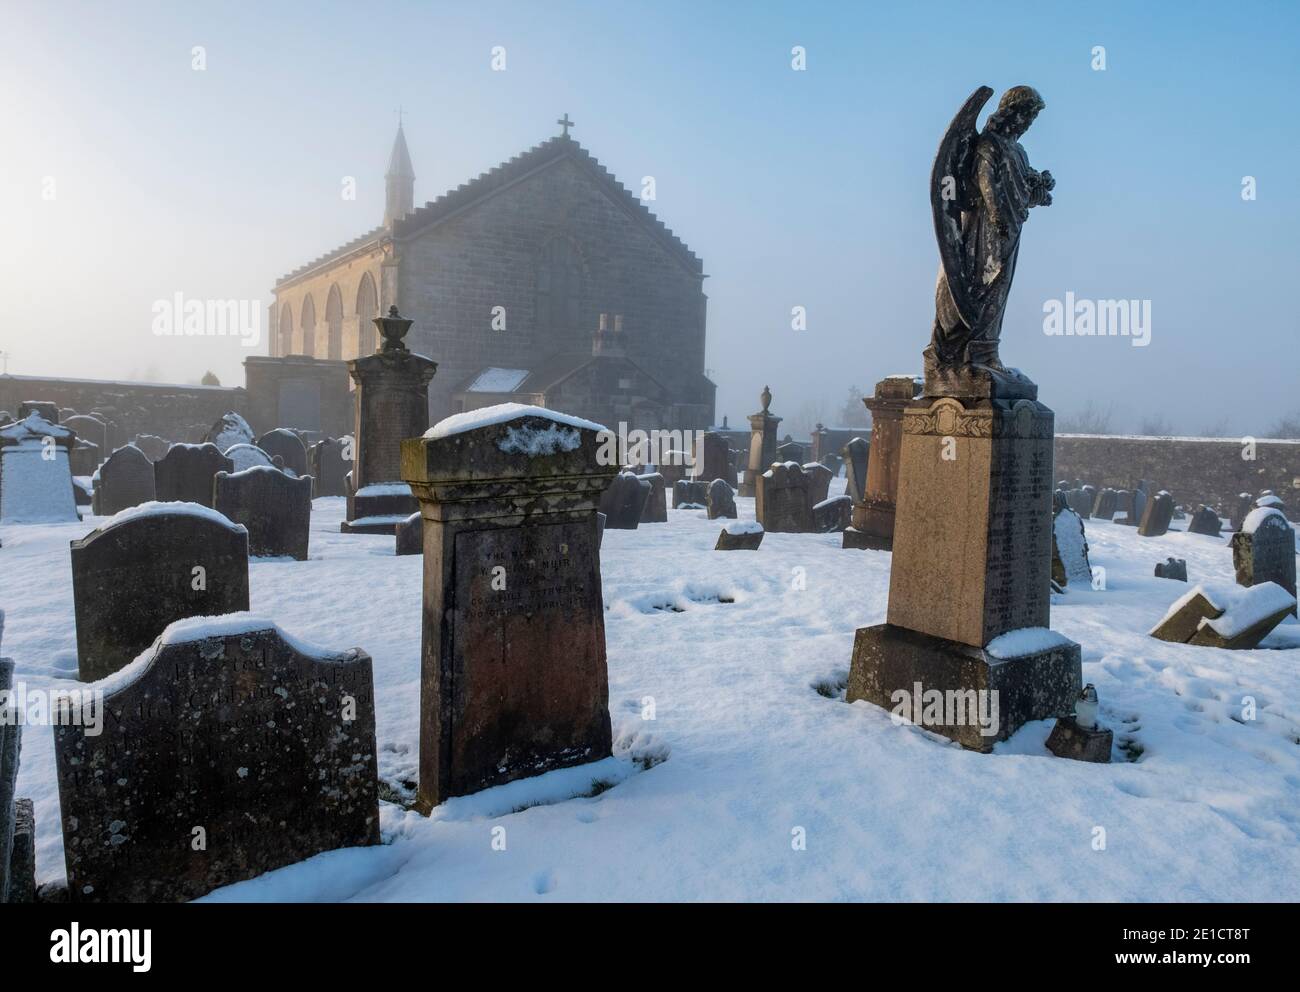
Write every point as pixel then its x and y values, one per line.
pixel 542 281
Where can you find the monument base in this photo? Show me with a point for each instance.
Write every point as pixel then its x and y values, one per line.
pixel 378 514
pixel 1069 740
pixel 1008 691
pixel 864 541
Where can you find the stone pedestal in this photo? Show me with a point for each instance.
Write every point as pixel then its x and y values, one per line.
pixel 762 445
pixel 513 676
pixel 873 517
pixel 1069 740
pixel 969 588
pixel 392 405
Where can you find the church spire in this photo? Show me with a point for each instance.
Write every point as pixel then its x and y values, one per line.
pixel 399 181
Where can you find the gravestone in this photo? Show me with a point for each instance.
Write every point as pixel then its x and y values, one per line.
pixel 265 745
pixel 721 500
pixel 782 505
pixel 762 445
pixel 740 535
pixel 791 452
pixel 329 468
pixel 47 411
pixel 834 463
pixel 1159 511
pixel 22 857
pixel 125 480
pixel 856 456
pixel 1172 568
pixel 874 514
pixel 624 502
pixel 1080 501
pixel 82 491
pixel 1241 508
pixel 10 747
pixel 87 428
pixel 185 473
pixel 392 404
pixel 147 567
pixel 1225 616
pixel 714 457
pixel 83 458
pixel 513 676
pixel 35 472
pixel 1103 508
pixel 152 445
pixel 273 506
pixel 243 456
pixel 1137 505
pixel 1069 550
pixel 832 515
pixel 819 482
pixel 655 510
pixel 1124 504
pixel 410 535
pixel 229 429
pixel 1205 521
pixel 690 495
pixel 1264 550
pixel 287 445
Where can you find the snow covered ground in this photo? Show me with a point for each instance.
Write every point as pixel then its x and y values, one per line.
pixel 743 656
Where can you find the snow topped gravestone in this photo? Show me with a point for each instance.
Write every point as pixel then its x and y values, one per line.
pixel 624 502
pixel 783 503
pixel 1264 550
pixel 288 446
pixel 184 474
pixel 147 567
pixel 721 501
pixel 513 676
pixel 232 750
pixel 1069 550
pixel 125 480
pixel 740 535
pixel 274 506
pixel 35 472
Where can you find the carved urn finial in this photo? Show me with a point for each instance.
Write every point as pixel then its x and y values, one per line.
pixel 393 328
pixel 766 397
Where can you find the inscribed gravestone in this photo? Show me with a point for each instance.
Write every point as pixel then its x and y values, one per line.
pixel 125 480
pixel 856 455
pixel 1157 514
pixel 782 504
pixel 35 472
pixel 832 515
pixel 819 482
pixel 274 507
pixel 90 429
pixel 1205 521
pixel 288 446
pixel 513 678
pixel 243 456
pixel 624 501
pixel 329 468
pixel 1069 550
pixel 688 494
pixel 1103 508
pixel 10 745
pixel 185 473
pixel 229 430
pixel 265 745
pixel 144 569
pixel 655 510
pixel 1264 550
pixel 714 457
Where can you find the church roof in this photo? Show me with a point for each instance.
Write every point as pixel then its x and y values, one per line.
pixel 546 376
pixel 506 174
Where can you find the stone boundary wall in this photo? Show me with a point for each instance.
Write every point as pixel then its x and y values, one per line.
pixel 165 409
pixel 1195 470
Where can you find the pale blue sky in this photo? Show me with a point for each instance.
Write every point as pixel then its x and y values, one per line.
pixel 796 188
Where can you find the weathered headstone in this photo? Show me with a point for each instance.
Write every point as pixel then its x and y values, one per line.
pixel 1080 501
pixel 243 456
pixel 185 473
pixel 88 428
pixel 874 514
pixel 83 457
pixel 1069 550
pixel 152 445
pixel 1172 568
pixel 1205 521
pixel 226 728
pixel 22 857
pixel 1264 550
pixel 740 535
pixel 288 445
pixel 833 462
pixel 832 515
pixel 1225 616
pixel 690 495
pixel 762 445
pixel 1124 508
pixel 819 481
pixel 146 568
pixel 1103 507
pixel 721 500
pixel 392 404
pixel 230 429
pixel 1241 508
pixel 329 468
pixel 791 451
pixel 655 510
pixel 125 480
pixel 35 472
pixel 513 678
pixel 274 507
pixel 857 453
pixel 46 410
pixel 624 502
pixel 1157 514
pixel 410 535
pixel 782 504
pixel 10 747
pixel 713 458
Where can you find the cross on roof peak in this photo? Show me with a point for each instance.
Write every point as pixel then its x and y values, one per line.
pixel 566 124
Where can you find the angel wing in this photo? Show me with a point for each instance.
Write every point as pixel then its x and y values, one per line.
pixel 951 192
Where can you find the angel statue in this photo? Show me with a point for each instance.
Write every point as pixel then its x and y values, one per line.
pixel 981 189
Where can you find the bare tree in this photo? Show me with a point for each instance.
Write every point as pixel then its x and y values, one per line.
pixel 1092 419
pixel 1287 427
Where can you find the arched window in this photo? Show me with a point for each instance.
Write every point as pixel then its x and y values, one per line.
pixel 308 327
pixel 367 311
pixel 285 331
pixel 560 285
pixel 334 322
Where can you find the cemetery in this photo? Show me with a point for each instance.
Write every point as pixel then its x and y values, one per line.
pixel 405 618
